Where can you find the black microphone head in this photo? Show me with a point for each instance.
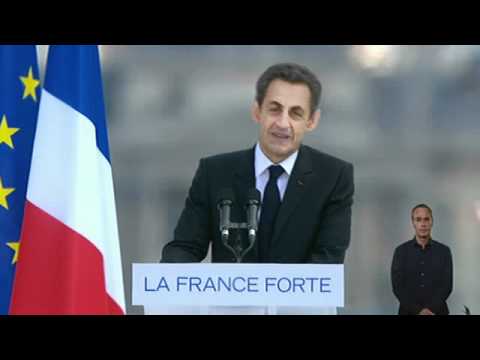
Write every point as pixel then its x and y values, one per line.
pixel 253 196
pixel 225 194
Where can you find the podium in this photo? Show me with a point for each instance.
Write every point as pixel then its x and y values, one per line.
pixel 238 310
pixel 238 289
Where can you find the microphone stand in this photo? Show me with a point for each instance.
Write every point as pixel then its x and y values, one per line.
pixel 237 248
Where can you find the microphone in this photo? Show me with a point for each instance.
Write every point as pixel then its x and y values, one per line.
pixel 253 205
pixel 225 198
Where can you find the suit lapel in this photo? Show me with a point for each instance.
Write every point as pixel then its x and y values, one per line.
pixel 244 177
pixel 297 184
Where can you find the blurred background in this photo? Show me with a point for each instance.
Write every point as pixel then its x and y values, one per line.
pixel 407 117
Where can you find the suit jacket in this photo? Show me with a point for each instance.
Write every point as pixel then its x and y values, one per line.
pixel 422 278
pixel 312 225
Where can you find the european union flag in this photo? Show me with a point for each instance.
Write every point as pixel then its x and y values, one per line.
pixel 19 99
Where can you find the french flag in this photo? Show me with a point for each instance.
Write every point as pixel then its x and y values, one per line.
pixel 69 259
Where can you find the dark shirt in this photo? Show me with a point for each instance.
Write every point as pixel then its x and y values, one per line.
pixel 422 278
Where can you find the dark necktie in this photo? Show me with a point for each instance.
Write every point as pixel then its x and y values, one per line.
pixel 270 205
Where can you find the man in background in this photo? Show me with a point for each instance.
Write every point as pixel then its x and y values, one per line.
pixel 421 272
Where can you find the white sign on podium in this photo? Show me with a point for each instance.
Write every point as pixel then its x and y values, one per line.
pixel 199 288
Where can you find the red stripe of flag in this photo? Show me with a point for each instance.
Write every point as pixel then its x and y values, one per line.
pixel 61 272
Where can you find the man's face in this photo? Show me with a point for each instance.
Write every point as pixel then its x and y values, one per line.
pixel 422 223
pixel 284 118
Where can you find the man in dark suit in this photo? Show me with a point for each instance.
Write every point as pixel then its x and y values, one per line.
pixel 422 271
pixel 305 215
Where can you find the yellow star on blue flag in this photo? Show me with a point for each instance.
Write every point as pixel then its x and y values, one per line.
pixel 30 84
pixel 15 246
pixel 4 192
pixel 6 132
pixel 19 98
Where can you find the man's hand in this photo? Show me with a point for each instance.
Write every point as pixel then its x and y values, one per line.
pixel 425 312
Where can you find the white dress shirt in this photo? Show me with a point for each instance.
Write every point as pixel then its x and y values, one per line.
pixel 262 163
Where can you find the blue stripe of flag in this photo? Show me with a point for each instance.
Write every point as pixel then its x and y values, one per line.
pixel 73 75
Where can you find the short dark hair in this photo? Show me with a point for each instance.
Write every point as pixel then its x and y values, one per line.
pixel 294 74
pixel 424 206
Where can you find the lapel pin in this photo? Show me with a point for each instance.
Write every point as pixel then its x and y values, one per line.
pixel 300 183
